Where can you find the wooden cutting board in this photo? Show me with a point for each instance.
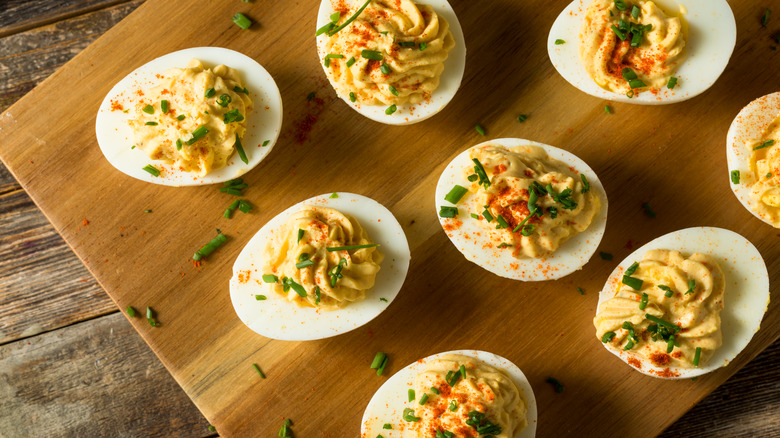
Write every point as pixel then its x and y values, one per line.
pixel 672 157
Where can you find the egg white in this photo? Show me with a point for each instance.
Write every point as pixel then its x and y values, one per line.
pixel 746 297
pixel 278 318
pixel 115 137
pixel 572 254
pixel 389 401
pixel 749 125
pixel 712 37
pixel 450 80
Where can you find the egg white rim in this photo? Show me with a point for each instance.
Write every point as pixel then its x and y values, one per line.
pixel 570 257
pixel 750 123
pixel 451 77
pixel 115 136
pixel 390 399
pixel 705 59
pixel 743 302
pixel 280 319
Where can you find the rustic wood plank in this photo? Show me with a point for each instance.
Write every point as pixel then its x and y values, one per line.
pixel 27 58
pixel 437 245
pixel 19 15
pixel 7 181
pixel 96 378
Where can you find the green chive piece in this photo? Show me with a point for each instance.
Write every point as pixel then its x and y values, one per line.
pixel 352 97
pixel 504 245
pixel 632 282
pixel 181 117
pixel 304 263
pixel 351 247
pixel 456 194
pixel 150 317
pixel 377 362
pixel 502 223
pixel 620 34
pixel 480 171
pixel 132 147
pixel 448 212
pixel 463 371
pixel 691 287
pixel 648 210
pixel 147 211
pixel 330 56
pixel 164 106
pixel 453 406
pixel 151 169
pixel 257 368
pixel 607 109
pixel 629 345
pixel 130 311
pixel 488 217
pixel 735 176
pixel 209 247
pixel 198 133
pixel 423 399
pixel 605 255
pixel 630 94
pixel 210 93
pixel 559 42
pixel 553 381
pixel 240 150
pixel 672 83
pixel 629 74
pixel 668 292
pixel 212 428
pixel 423 46
pixel 608 336
pixel 317 295
pixel 350 61
pixel 475 216
pixel 179 144
pixel 387 426
pixel 765 144
pixel 300 235
pixel 585 184
pixel 151 123
pixel 410 394
pixel 393 91
pixel 697 357
pixel 407 44
pixel 238 89
pixel 148 109
pixel 408 415
pixel 242 21
pixel 385 69
pixel 381 368
pixel 270 278
pixel 620 5
pixel 473 177
pixel 384 300
pixel 391 109
pixel 643 301
pixel 349 20
pixel 522 118
pixel 479 129
pixel 261 297
pixel 232 116
pixel 265 143
pixel 334 195
pixel 660 321
pixel 631 269
pixel 311 96
pixel 765 18
pixel 224 100
pixel 582 292
pixel 435 390
pixel 334 17
pixel 372 55
pixel 636 83
pixel 635 11
pixel 326 28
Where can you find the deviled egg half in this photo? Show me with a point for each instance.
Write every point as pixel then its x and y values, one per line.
pixel 684 304
pixel 641 51
pixel 753 154
pixel 196 116
pixel 396 62
pixel 322 267
pixel 522 209
pixel 454 392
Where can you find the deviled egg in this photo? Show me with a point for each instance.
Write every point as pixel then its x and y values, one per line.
pixel 641 51
pixel 395 62
pixel 521 209
pixel 753 154
pixel 684 304
pixel 322 267
pixel 432 397
pixel 196 116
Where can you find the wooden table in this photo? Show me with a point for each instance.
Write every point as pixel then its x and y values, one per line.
pixel 71 365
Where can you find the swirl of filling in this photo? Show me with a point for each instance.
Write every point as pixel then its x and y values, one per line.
pixel 525 175
pixel 192 117
pixel 311 275
pixel 392 53
pixel 765 168
pixel 641 37
pixel 684 292
pixel 486 397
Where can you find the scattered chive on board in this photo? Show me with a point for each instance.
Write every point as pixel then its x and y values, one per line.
pixel 242 21
pixel 479 129
pixel 257 368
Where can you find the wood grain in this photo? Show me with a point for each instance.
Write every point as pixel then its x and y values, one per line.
pixel 428 281
pixel 20 15
pixel 125 392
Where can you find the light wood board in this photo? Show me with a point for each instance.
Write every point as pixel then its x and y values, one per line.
pixel 672 157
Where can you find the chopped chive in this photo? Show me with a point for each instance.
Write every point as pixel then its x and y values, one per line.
pixel 585 183
pixel 765 18
pixel 629 345
pixel 456 194
pixel 393 91
pixel 151 123
pixel 304 263
pixel 475 216
pixel 377 362
pixel 635 11
pixel 242 21
pixel 631 269
pixel 632 282
pixel 300 235
pixel 164 106
pixel 387 426
pixel 289 283
pixel 697 357
pixel 265 143
pixel 261 297
pixel 660 321
pixel 448 212
pixel 311 96
pixel 522 118
pixel 317 295
pixel 232 116
pixel 691 287
pixel 209 247
pixel 502 223
pixel 636 83
pixel 630 94
pixel 330 56
pixel 480 171
pixel 528 229
pixel 643 301
pixel 504 245
pixel 735 176
pixel 488 217
pixel 605 255
pixel 410 394
pixel 672 83
pixel 473 177
pixel 765 144
pixel 423 399
pixel 234 182
pixel 385 69
pixel 559 42
pixel 181 117
pixel 179 144
pixel 130 311
pixel 620 5
pixel 148 109
pixel 212 428
pixel 326 28
pixel 608 336
pixel 334 17
pixel 350 61
pixel 670 344
pixel 408 415
pixel 238 89
pixel 453 406
pixel 240 150
pixel 620 34
pixel 479 129
pixel 384 300
pixel 151 169
pixel 210 93
pixel 423 46
pixel 463 371
pixel 607 109
pixel 371 54
pixel 231 208
pixel 582 292
pixel 648 210
pixel 350 247
pixel 381 368
pixel 435 390
pixel 270 278
pixel 349 20
pixel 352 97
pixel 257 368
pixel 224 100
pixel 556 384
pixel 147 211
pixel 334 195
pixel 150 317
pixel 391 109
pixel 407 44
pixel 198 133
